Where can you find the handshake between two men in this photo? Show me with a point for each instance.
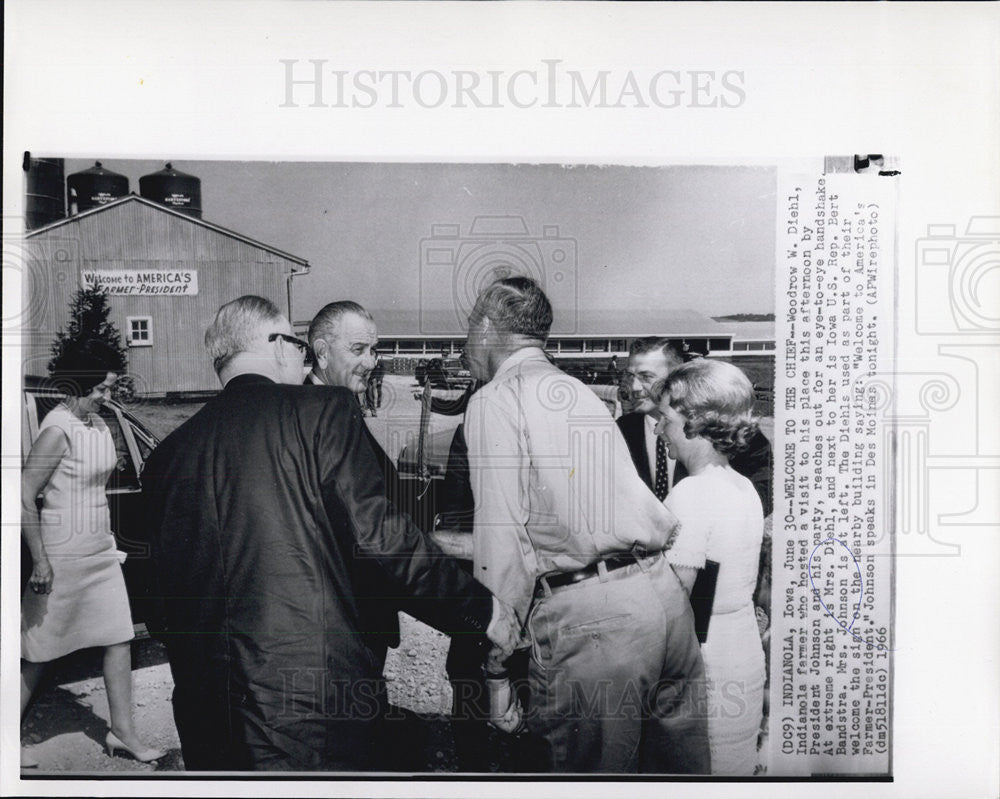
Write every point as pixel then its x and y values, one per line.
pixel 505 633
pixel 270 530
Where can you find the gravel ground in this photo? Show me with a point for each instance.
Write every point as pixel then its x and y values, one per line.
pixel 162 417
pixel 68 719
pixel 67 722
pixel 66 725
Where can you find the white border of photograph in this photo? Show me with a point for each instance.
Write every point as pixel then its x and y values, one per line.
pixel 194 80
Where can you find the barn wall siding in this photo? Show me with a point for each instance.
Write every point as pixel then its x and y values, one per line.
pixel 134 236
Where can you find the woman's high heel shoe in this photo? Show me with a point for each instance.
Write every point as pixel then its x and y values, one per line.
pixel 114 743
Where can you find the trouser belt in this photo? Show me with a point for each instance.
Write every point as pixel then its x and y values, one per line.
pixel 617 560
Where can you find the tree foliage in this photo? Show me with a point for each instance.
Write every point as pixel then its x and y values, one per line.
pixel 88 319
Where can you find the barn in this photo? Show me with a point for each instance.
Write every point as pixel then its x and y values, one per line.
pixel 166 271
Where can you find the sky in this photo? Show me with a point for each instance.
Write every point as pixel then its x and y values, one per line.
pixel 405 236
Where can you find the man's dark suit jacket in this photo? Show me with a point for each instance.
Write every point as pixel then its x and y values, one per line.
pixel 754 463
pixel 262 508
pixel 379 611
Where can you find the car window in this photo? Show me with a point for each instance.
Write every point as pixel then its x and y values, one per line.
pixel 145 441
pixel 125 474
pixel 43 404
pixel 36 407
pixel 145 446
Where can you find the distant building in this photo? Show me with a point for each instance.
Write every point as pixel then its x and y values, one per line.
pixel 599 334
pixel 748 337
pixel 167 273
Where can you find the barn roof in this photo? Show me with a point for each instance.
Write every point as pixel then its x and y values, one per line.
pixel 81 217
pixel 600 323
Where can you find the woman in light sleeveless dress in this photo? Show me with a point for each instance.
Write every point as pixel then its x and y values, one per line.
pixel 76 596
pixel 706 415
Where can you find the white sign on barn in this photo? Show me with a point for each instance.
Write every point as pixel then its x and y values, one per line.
pixel 136 282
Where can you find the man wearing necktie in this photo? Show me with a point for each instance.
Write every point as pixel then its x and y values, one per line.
pixel 651 359
pixel 343 337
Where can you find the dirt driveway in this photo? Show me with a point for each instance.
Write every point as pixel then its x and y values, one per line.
pixel 68 719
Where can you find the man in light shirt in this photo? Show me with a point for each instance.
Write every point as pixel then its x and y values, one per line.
pixel 566 532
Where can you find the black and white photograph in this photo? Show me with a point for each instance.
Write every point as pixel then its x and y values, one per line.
pixel 610 262
pixel 401 412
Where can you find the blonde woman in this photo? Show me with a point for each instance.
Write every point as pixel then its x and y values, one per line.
pixel 706 416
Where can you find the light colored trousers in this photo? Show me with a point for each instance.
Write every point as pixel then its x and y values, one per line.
pixel 616 675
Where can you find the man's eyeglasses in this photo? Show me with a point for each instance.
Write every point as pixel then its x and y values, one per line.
pixel 303 346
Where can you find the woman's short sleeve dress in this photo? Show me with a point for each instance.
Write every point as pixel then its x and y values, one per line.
pixel 721 519
pixel 88 605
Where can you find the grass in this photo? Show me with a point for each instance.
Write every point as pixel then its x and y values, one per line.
pixel 163 417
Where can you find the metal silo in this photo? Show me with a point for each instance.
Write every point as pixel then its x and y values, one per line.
pixel 45 194
pixel 94 187
pixel 173 189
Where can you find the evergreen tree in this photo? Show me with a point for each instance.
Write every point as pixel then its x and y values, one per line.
pixel 88 318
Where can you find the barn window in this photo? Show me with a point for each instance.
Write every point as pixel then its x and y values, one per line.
pixel 140 331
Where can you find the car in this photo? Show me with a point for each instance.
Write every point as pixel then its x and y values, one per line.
pixel 133 443
pixel 442 373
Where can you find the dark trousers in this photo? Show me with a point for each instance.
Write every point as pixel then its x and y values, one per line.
pixel 479 747
pixel 224 730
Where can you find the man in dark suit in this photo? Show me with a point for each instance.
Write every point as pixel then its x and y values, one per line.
pixel 650 360
pixel 262 509
pixel 343 337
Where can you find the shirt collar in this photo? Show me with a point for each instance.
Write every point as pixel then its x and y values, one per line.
pixel 531 353
pixel 247 379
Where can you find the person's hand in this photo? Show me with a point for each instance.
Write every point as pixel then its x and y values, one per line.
pixel 453 543
pixel 504 630
pixel 41 576
pixel 505 709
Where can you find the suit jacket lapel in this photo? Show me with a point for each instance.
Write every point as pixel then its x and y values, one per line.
pixel 633 429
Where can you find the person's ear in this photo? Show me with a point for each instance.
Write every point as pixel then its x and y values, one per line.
pixel 320 350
